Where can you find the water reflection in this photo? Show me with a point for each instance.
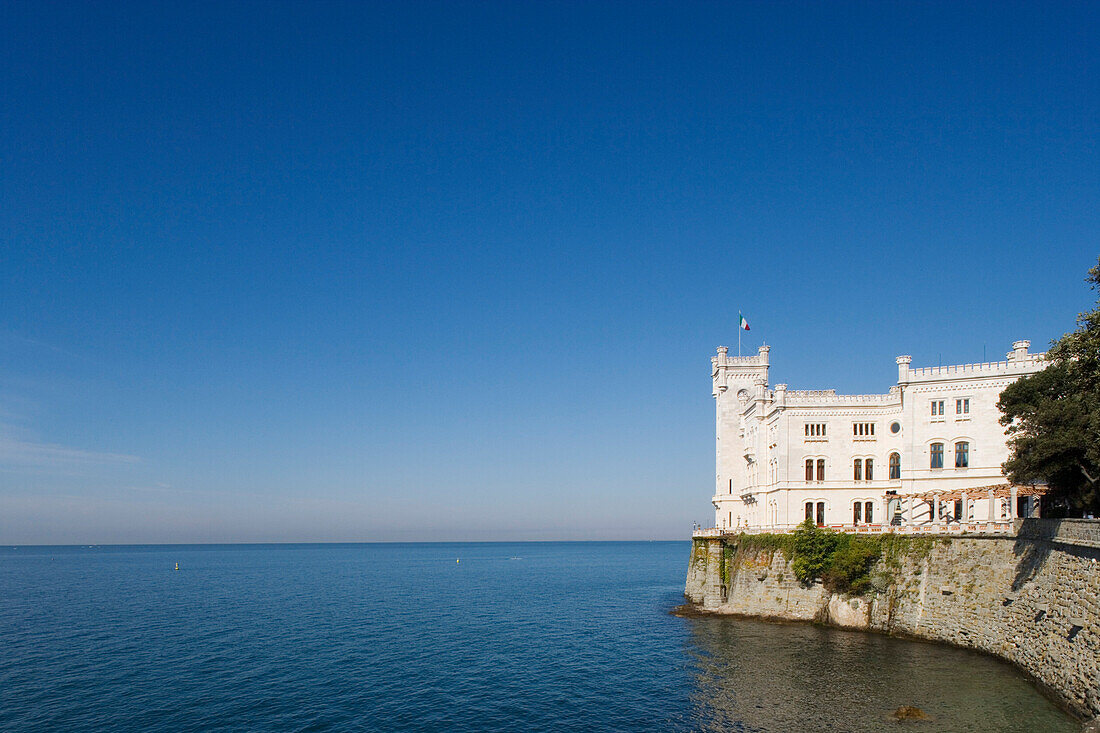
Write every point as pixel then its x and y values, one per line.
pixel 758 676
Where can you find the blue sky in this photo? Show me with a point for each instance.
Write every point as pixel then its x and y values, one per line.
pixel 437 271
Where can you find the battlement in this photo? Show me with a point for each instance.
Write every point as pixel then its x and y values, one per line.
pixel 811 393
pixel 747 371
pixel 1017 363
pixel 830 397
pixel 723 359
pixel 1031 363
pixel 731 361
pixel 752 373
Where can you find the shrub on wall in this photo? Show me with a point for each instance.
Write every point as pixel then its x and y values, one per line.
pixel 849 569
pixel 813 551
pixel 842 562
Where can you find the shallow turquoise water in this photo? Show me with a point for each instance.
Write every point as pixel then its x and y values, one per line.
pixel 400 637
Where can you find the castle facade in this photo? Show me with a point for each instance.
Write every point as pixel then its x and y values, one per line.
pixel 929 451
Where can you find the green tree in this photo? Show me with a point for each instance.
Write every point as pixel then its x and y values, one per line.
pixel 813 550
pixel 850 566
pixel 1053 417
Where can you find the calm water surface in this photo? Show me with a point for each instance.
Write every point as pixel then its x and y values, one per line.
pixel 392 637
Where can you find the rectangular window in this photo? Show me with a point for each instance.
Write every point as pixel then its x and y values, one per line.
pixel 815 429
pixel 936 453
pixel 962 455
pixel 962 406
pixel 863 429
pixel 937 408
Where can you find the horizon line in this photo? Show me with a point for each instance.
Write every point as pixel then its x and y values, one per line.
pixel 6 545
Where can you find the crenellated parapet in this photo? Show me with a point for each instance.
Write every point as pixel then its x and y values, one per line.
pixel 744 371
pixel 830 397
pixel 1020 365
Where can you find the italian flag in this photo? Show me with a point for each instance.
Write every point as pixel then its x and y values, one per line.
pixel 742 322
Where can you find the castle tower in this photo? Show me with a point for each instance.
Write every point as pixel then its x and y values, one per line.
pixel 738 382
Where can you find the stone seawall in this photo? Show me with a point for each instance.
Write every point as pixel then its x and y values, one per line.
pixel 1033 599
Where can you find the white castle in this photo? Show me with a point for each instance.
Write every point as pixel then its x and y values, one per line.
pixel 929 452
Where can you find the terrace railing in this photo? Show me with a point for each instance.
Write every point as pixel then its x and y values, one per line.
pixel 1005 527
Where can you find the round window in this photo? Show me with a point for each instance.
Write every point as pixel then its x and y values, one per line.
pixel 895 427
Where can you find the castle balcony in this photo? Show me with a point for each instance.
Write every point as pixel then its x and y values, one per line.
pixel 748 497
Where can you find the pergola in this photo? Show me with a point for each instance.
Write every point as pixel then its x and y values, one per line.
pixel 993 493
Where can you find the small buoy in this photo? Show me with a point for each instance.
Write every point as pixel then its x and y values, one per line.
pixel 177 566
pixel 456 560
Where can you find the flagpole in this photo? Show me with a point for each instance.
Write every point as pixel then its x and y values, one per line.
pixel 739 334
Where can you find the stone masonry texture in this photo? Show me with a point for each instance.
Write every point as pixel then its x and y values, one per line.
pixel 1033 599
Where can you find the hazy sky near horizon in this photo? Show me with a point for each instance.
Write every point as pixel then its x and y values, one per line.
pixel 443 271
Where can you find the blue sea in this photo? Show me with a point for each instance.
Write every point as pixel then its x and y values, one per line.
pixel 447 637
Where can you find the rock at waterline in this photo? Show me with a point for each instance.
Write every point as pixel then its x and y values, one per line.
pixel 908 712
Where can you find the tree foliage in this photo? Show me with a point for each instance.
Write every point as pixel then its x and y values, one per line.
pixel 1053 417
pixel 850 568
pixel 813 550
pixel 842 562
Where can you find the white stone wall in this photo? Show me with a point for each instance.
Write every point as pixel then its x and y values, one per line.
pixel 762 446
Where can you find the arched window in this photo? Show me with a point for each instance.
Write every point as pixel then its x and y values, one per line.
pixel 809 471
pixel 895 466
pixel 809 510
pixel 821 471
pixel 868 511
pixel 962 454
pixel 936 456
pixel 857 513
pixel 821 514
pixel 857 469
pixel 870 469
